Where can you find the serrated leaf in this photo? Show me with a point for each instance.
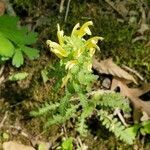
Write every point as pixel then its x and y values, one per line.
pixel 17 58
pixel 6 47
pixel 19 35
pixel 132 132
pixel 18 76
pixel 32 53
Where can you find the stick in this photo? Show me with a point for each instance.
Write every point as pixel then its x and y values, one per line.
pixel 67 10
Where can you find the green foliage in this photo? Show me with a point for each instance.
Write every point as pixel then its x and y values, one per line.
pixel 67 144
pixel 114 125
pixel 46 108
pixel 15 41
pixel 145 127
pixel 18 76
pixel 111 100
pixel 79 101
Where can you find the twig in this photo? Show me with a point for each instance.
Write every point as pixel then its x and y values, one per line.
pixel 67 10
pixel 61 6
pixel 117 112
pixel 133 71
pixel 5 117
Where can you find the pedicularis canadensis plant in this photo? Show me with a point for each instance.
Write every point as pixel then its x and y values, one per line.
pixel 79 101
pixel 76 55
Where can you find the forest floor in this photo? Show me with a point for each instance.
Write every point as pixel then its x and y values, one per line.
pixel 125 28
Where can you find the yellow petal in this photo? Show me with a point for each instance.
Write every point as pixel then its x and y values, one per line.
pixel 70 64
pixel 92 51
pixel 74 31
pixel 85 29
pixel 92 42
pixel 60 34
pixel 57 49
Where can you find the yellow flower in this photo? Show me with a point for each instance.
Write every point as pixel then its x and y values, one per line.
pixel 70 64
pixel 74 31
pixel 92 51
pixel 57 49
pixel 60 34
pixel 83 30
pixel 92 42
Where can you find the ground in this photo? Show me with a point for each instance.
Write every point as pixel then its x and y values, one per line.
pixel 121 42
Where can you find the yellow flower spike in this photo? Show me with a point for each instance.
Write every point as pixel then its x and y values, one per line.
pixel 85 29
pixel 70 64
pixel 74 31
pixel 57 49
pixel 60 34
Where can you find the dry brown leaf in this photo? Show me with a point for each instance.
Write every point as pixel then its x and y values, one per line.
pixel 12 145
pixel 2 8
pixel 107 66
pixel 133 94
pixel 145 116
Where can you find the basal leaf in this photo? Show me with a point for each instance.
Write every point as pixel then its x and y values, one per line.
pixel 6 47
pixel 18 34
pixel 17 58
pixel 32 53
pixel 8 21
pixel 18 76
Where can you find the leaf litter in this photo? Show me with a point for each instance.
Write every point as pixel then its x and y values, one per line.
pixel 120 80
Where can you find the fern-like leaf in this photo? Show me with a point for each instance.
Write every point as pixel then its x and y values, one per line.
pixel 45 109
pixel 111 100
pixel 60 119
pixel 125 134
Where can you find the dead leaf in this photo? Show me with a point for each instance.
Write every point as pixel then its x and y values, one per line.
pixel 2 8
pixel 133 94
pixel 107 66
pixel 12 145
pixel 145 117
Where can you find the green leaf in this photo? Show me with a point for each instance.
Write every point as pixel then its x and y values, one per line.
pixel 131 132
pixel 32 53
pixel 8 21
pixel 18 58
pixel 145 129
pixel 19 35
pixel 67 144
pixel 18 76
pixel 44 74
pixel 6 47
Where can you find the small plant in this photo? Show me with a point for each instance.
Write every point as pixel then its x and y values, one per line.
pixel 15 41
pixel 79 100
pixel 67 144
